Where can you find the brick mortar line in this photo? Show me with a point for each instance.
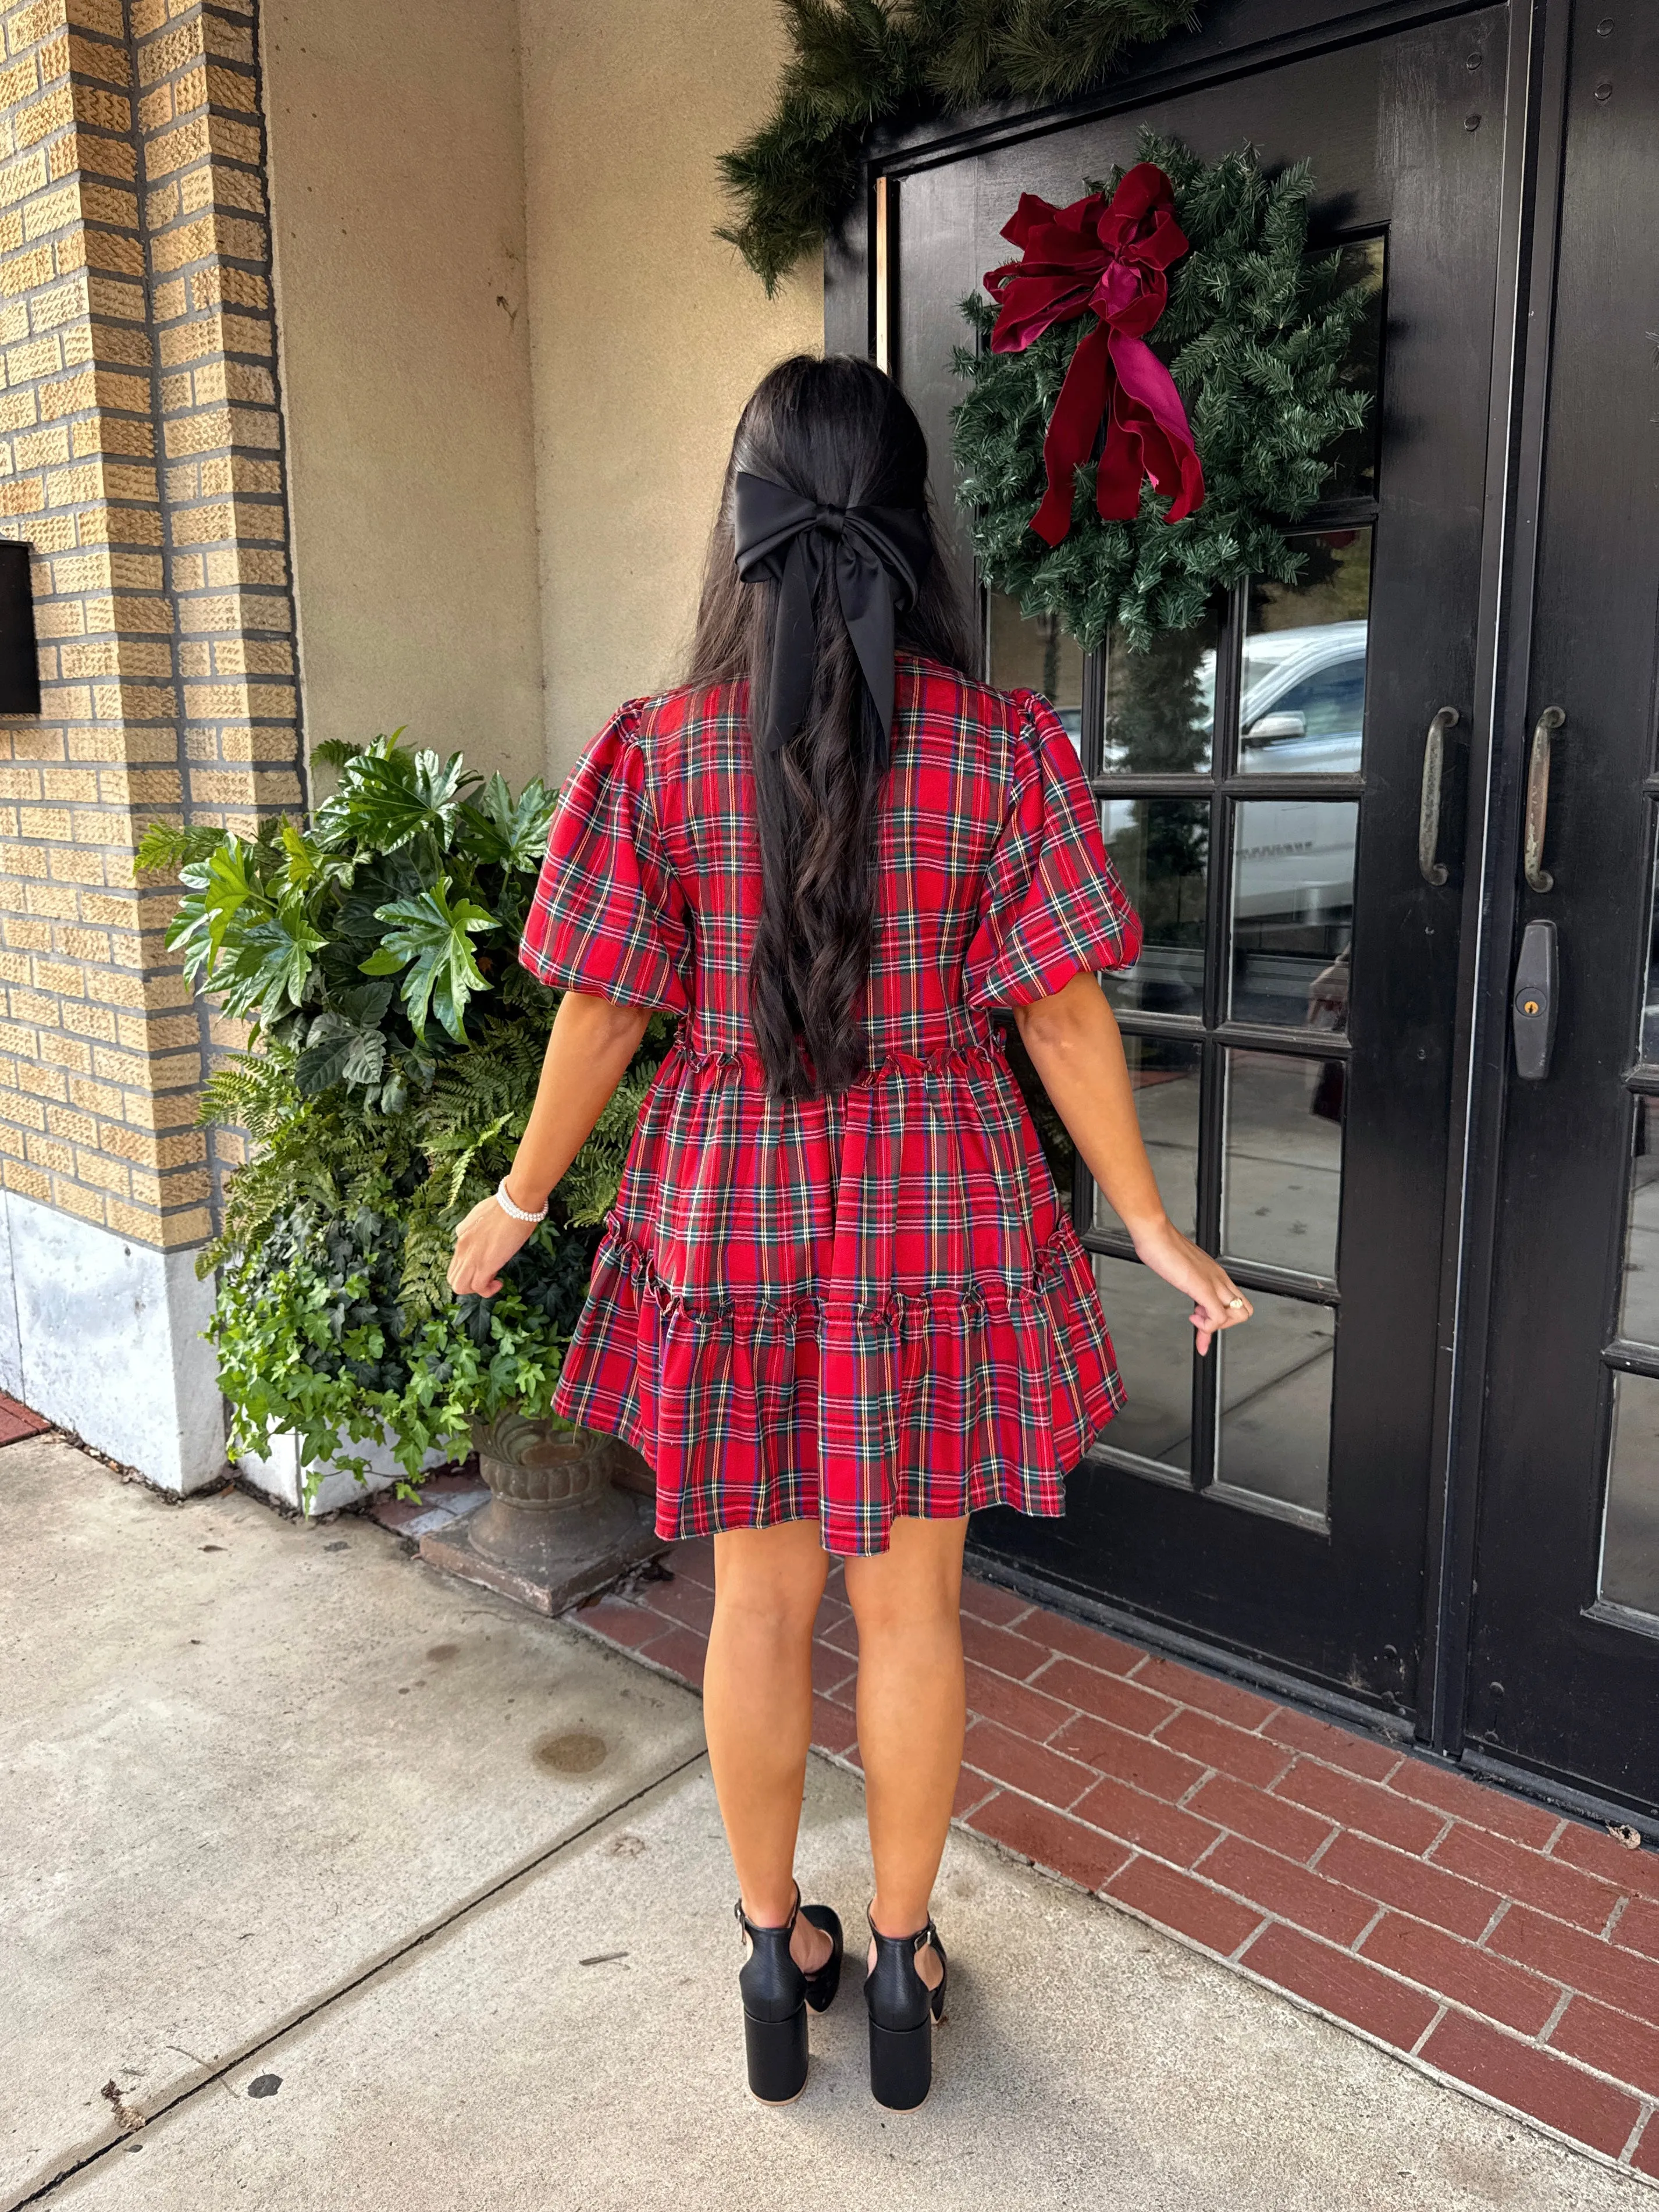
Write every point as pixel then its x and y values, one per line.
pixel 1341 1827
pixel 1500 1913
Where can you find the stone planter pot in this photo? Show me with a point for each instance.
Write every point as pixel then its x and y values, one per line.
pixel 554 1529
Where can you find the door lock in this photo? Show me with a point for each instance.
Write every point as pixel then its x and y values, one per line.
pixel 1532 1003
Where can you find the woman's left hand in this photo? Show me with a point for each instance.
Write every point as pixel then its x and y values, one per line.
pixel 484 1242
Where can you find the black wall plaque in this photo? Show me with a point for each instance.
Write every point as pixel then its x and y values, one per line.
pixel 20 666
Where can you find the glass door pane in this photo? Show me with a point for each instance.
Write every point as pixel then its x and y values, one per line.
pixel 1160 702
pixel 1303 705
pixel 1032 653
pixel 1282 1186
pixel 1275 1447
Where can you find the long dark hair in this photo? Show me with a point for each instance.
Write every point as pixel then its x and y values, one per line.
pixel 840 433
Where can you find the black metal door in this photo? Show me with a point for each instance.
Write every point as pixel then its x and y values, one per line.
pixel 1291 1023
pixel 1564 1674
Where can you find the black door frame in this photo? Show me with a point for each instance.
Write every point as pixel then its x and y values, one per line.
pixel 1238 38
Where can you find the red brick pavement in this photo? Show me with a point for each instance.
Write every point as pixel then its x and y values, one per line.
pixel 16 1421
pixel 1516 1951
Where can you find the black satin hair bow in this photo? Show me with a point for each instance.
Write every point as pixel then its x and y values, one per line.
pixel 880 555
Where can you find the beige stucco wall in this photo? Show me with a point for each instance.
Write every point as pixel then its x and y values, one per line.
pixel 397 200
pixel 647 332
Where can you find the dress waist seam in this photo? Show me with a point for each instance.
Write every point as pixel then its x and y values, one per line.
pixel 980 1055
pixel 1052 1261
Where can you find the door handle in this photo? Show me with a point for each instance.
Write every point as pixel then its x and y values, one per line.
pixel 1428 806
pixel 1537 798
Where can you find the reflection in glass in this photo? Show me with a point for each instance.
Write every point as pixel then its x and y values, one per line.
pixel 1649 1046
pixel 1153 1340
pixel 1302 707
pixel 1162 849
pixel 1165 1074
pixel 1639 1304
pixel 1354 453
pixel 1032 653
pixel 1274 1449
pixel 1292 910
pixel 1283 1177
pixel 1160 704
pixel 1630 1528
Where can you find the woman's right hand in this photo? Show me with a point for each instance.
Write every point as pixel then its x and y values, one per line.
pixel 484 1242
pixel 1218 1302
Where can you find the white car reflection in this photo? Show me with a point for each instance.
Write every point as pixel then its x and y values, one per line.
pixel 1304 706
pixel 1302 713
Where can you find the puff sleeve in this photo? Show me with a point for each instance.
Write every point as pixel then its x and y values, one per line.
pixel 609 917
pixel 1053 905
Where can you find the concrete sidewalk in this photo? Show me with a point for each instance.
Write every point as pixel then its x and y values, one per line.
pixel 365 1889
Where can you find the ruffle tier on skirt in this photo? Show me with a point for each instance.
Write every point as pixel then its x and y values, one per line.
pixel 847 1309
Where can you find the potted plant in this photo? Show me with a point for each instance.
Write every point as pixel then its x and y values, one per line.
pixel 393 1044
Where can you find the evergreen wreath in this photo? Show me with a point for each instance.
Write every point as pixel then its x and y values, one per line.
pixel 858 64
pixel 1256 336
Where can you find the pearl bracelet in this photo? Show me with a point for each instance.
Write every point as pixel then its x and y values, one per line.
pixel 517 1211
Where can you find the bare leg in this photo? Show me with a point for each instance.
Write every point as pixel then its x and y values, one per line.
pixel 757 1711
pixel 912 1712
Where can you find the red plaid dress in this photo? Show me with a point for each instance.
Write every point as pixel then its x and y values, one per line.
pixel 863 1305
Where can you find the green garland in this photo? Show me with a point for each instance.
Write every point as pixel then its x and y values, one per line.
pixel 857 63
pixel 1257 336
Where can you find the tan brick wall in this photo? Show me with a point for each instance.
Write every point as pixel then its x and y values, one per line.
pixel 141 457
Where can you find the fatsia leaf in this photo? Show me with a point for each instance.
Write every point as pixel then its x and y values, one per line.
pixel 302 857
pixel 429 938
pixel 220 888
pixel 269 962
pixel 511 834
pixel 388 795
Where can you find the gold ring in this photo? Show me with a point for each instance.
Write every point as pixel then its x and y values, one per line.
pixel 1232 1302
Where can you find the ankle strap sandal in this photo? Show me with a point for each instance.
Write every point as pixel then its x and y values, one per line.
pixel 903 2012
pixel 776 1994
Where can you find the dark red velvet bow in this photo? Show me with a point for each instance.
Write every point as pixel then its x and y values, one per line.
pixel 1108 259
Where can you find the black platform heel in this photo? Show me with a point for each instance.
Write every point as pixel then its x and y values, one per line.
pixel 902 2014
pixel 776 1994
